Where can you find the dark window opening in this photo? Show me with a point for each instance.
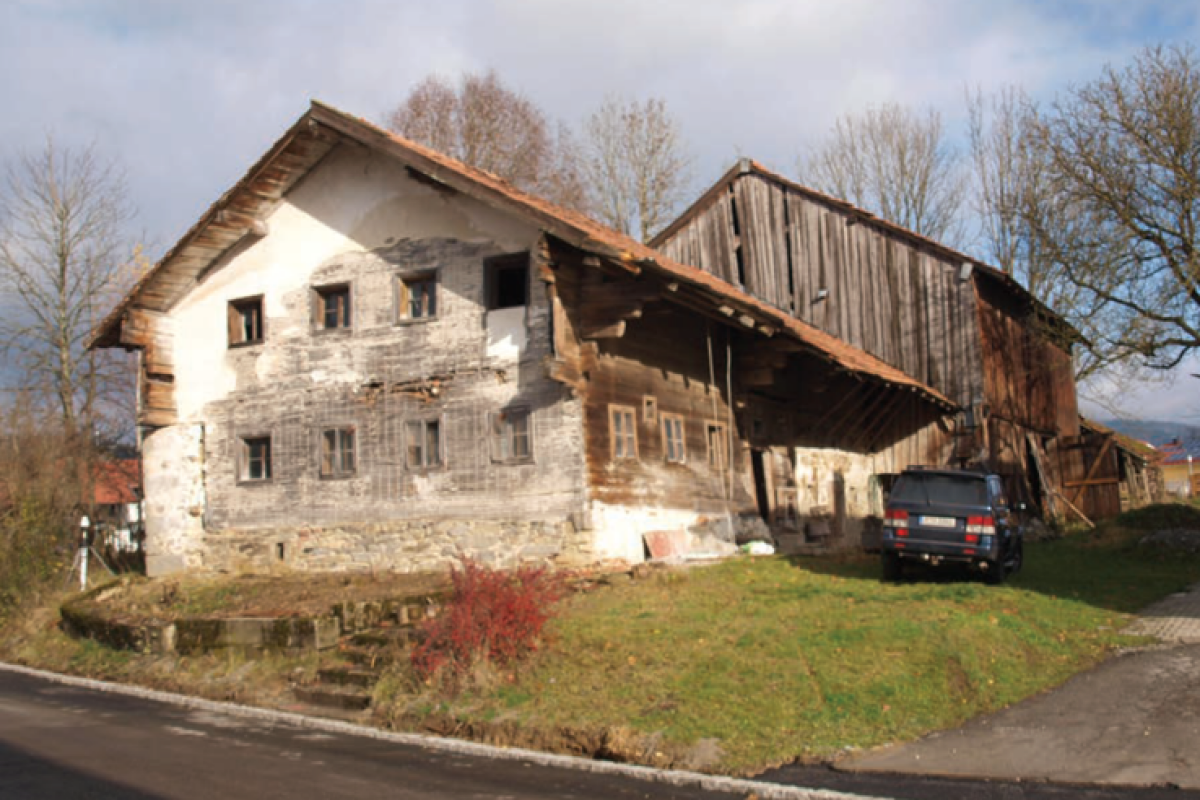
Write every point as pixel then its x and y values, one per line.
pixel 246 321
pixel 507 280
pixel 333 307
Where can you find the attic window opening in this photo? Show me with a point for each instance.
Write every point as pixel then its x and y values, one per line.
pixel 246 321
pixel 333 307
pixel 507 281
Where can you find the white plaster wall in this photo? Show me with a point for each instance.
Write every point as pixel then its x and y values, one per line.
pixel 173 478
pixel 618 530
pixel 354 201
pixel 815 469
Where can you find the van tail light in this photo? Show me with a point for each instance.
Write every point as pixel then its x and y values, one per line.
pixel 985 526
pixel 896 519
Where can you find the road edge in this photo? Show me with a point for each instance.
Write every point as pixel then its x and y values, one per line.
pixel 681 778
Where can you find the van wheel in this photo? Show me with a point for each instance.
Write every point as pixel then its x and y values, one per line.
pixel 893 569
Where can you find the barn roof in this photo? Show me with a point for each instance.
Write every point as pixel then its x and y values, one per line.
pixel 748 166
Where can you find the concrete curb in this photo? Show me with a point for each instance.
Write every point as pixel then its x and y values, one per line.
pixel 681 778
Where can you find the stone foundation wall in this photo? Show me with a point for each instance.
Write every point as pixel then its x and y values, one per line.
pixel 401 546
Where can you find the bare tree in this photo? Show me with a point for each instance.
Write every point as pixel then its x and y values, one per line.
pixel 894 162
pixel 1121 213
pixel 636 165
pixel 1013 189
pixel 482 122
pixel 64 260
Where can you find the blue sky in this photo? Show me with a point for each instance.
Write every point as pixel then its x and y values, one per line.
pixel 187 95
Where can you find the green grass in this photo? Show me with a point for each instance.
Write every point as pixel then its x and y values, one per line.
pixel 781 659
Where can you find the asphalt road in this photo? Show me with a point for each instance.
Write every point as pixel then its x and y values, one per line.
pixel 66 742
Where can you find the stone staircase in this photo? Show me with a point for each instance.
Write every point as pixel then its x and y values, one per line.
pixel 375 636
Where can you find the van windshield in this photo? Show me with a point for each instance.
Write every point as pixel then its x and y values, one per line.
pixel 939 489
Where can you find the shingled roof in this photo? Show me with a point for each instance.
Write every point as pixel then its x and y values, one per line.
pixel 263 187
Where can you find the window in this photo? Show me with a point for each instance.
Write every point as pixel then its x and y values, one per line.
pixel 337 453
pixel 424 440
pixel 255 459
pixel 331 307
pixel 246 321
pixel 718 445
pixel 673 441
pixel 507 281
pixel 416 296
pixel 623 431
pixel 511 435
pixel 650 410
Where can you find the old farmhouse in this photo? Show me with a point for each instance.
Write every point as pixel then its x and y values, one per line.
pixel 368 355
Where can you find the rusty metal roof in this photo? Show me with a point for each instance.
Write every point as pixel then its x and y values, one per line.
pixel 322 126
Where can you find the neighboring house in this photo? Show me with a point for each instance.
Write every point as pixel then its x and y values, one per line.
pixel 115 509
pixel 368 355
pixel 953 323
pixel 1180 465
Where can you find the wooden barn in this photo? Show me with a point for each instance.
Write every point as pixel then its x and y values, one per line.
pixel 944 318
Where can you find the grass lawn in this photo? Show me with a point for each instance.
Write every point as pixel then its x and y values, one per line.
pixel 780 658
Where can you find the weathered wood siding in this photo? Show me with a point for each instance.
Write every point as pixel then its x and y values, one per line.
pixel 882 294
pixel 662 355
pixel 1029 379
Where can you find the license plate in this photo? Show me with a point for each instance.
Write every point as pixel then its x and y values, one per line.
pixel 939 522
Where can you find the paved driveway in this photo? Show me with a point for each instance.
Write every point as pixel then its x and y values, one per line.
pixel 1134 720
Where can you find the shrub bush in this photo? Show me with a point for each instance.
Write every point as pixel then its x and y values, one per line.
pixel 493 617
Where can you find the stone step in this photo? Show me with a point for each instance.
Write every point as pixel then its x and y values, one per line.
pixel 339 697
pixel 373 657
pixel 348 676
pixel 385 637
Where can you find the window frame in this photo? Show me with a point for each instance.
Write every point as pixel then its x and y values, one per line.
pixel 235 327
pixel 331 463
pixel 320 310
pixel 718 457
pixel 617 441
pixel 425 465
pixel 503 438
pixel 401 292
pixel 650 409
pixel 666 421
pixel 246 457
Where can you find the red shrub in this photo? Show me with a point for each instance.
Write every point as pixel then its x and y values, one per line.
pixel 492 616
